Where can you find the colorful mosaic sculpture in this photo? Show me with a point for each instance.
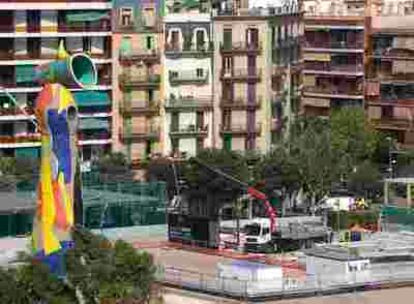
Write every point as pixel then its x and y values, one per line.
pixel 56 113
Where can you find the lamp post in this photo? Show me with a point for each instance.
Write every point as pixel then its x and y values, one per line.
pixel 390 160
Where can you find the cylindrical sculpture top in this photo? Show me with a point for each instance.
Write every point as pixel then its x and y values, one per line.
pixel 77 71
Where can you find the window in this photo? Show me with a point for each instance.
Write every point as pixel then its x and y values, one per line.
pixel 227 39
pixel 149 17
pixel 87 44
pixel 149 42
pixel 173 74
pixel 126 16
pixel 150 95
pixel 199 73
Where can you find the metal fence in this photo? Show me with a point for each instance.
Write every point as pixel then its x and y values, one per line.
pixel 380 275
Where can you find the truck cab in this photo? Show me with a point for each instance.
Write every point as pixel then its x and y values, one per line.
pixel 258 235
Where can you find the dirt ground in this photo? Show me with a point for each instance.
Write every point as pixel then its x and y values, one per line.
pixel 385 296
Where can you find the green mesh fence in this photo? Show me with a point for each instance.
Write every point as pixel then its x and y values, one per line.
pixel 397 218
pixel 106 204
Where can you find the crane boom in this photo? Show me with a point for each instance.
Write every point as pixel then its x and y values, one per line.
pixel 271 213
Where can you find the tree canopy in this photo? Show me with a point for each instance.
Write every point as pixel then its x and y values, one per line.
pixel 101 271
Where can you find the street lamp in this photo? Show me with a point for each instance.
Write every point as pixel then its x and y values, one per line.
pixel 390 159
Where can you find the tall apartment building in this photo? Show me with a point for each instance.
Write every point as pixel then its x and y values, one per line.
pixel 30 33
pixel 333 74
pixel 138 81
pixel 188 78
pixel 256 71
pixel 389 92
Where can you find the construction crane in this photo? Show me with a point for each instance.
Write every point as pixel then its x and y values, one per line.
pixel 271 213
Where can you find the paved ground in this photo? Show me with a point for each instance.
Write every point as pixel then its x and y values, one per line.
pixel 385 296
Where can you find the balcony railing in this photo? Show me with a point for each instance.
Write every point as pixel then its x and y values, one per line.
pixel 150 80
pixel 7 28
pixel 333 90
pixel 144 55
pixel 182 77
pixel 190 103
pixel 343 45
pixel 201 50
pixel 241 74
pixel 13 111
pixel 65 28
pixel 397 124
pixel 240 129
pixel 148 132
pixel 409 77
pixel 96 135
pixel 146 107
pixel 240 103
pixel 20 138
pixel 241 47
pixel 333 68
pixel 188 131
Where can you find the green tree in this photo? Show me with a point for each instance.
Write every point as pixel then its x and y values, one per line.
pixel 352 137
pixel 229 162
pixel 365 179
pixel 98 271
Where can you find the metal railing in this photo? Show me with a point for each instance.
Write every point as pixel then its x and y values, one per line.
pixel 333 90
pixel 239 128
pixel 177 77
pixel 190 102
pixel 298 283
pixel 241 46
pixel 243 73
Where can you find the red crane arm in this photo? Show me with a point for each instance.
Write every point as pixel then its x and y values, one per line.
pixel 269 209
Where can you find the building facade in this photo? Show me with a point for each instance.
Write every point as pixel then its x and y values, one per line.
pixel 30 33
pixel 138 78
pixel 188 77
pixel 333 74
pixel 256 59
pixel 389 87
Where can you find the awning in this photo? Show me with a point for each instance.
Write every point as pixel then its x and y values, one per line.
pixel 93 124
pixel 25 73
pixel 82 16
pixel 27 152
pixel 91 98
pixel 317 57
pixel 190 3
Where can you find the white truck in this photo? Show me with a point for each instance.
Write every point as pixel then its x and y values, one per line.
pixel 291 233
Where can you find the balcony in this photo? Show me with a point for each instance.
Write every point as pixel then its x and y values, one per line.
pixel 240 129
pixel 395 124
pixel 334 92
pixel 189 103
pixel 390 54
pixel 153 56
pixel 240 103
pixel 188 77
pixel 147 133
pixel 197 51
pixel 398 78
pixel 334 69
pixel 189 131
pixel 15 111
pixel 20 138
pixel 139 108
pixel 67 28
pixel 140 27
pixel 241 75
pixel 240 48
pixel 7 28
pixel 139 81
pixel 335 46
